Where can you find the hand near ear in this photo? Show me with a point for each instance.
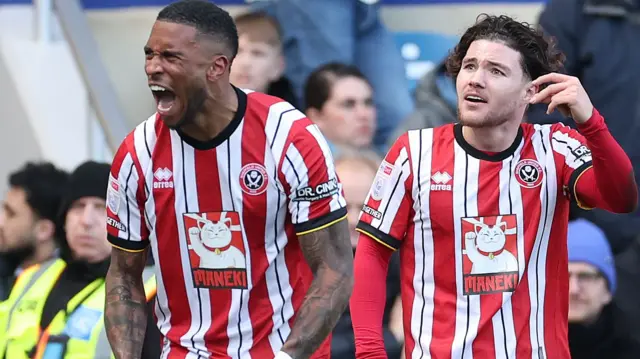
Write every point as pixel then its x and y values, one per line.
pixel 566 94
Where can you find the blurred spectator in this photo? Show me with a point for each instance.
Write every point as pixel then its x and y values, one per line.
pixel 317 32
pixel 628 273
pixel 436 102
pixel 260 64
pixel 597 328
pixel 27 220
pixel 65 297
pixel 339 100
pixel 357 170
pixel 598 38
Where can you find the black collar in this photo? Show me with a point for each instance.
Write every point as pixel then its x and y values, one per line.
pixel 473 152
pixel 226 133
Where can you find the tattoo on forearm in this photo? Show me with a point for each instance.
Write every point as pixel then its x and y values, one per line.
pixel 330 256
pixel 125 305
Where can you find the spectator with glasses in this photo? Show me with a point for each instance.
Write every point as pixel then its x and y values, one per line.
pixel 596 327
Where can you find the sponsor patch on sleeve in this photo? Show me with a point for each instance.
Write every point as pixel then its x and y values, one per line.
pixel 581 152
pixel 115 224
pixel 380 181
pixel 385 169
pixel 113 195
pixel 372 212
pixel 315 193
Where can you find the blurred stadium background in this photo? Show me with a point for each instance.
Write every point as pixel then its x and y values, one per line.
pixel 48 63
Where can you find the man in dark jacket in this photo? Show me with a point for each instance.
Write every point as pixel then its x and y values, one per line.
pixel 597 328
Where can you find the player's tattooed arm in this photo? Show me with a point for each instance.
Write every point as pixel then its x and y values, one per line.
pixel 125 306
pixel 330 256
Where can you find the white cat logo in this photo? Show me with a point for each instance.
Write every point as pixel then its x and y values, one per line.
pixel 485 247
pixel 212 242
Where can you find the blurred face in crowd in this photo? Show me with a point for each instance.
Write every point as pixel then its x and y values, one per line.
pixel 20 228
pixel 179 65
pixel 356 178
pixel 491 86
pixel 348 117
pixel 588 292
pixel 86 230
pixel 257 64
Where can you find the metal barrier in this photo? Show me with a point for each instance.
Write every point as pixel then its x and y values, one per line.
pixel 79 36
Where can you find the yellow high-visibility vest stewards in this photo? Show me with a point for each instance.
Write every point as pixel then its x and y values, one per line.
pixel 74 333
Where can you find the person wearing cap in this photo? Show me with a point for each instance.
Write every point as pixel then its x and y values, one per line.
pixel 57 306
pixel 597 329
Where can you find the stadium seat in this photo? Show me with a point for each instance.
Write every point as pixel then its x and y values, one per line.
pixel 421 51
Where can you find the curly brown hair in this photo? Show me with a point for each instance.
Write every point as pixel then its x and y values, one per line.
pixel 539 55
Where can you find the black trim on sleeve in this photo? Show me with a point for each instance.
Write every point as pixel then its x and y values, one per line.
pixel 573 179
pixel 320 222
pixel 130 246
pixel 378 235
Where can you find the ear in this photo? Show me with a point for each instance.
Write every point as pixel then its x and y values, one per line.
pixel 44 230
pixel 530 91
pixel 607 297
pixel 220 66
pixel 314 115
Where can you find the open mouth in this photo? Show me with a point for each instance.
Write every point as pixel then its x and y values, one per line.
pixel 165 98
pixel 475 99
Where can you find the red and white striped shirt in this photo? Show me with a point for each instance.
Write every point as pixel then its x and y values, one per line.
pixel 223 219
pixel 482 240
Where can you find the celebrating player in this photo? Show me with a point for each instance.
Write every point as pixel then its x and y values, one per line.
pixel 236 195
pixel 479 209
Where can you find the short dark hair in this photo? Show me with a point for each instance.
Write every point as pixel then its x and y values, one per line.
pixel 539 55
pixel 44 185
pixel 317 89
pixel 208 19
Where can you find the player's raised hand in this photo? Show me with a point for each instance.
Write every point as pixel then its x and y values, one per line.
pixel 566 94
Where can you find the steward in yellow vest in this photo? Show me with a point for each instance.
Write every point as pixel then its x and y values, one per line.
pixel 28 219
pixel 55 309
pixel 77 331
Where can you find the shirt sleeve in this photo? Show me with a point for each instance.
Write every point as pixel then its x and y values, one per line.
pixel 575 157
pixel 126 226
pixel 316 198
pixel 386 213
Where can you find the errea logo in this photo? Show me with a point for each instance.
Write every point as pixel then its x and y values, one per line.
pixel 440 181
pixel 162 178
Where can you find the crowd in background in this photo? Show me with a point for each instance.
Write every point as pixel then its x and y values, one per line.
pixel 339 65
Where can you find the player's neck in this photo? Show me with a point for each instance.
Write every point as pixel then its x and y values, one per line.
pixel 219 111
pixel 492 139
